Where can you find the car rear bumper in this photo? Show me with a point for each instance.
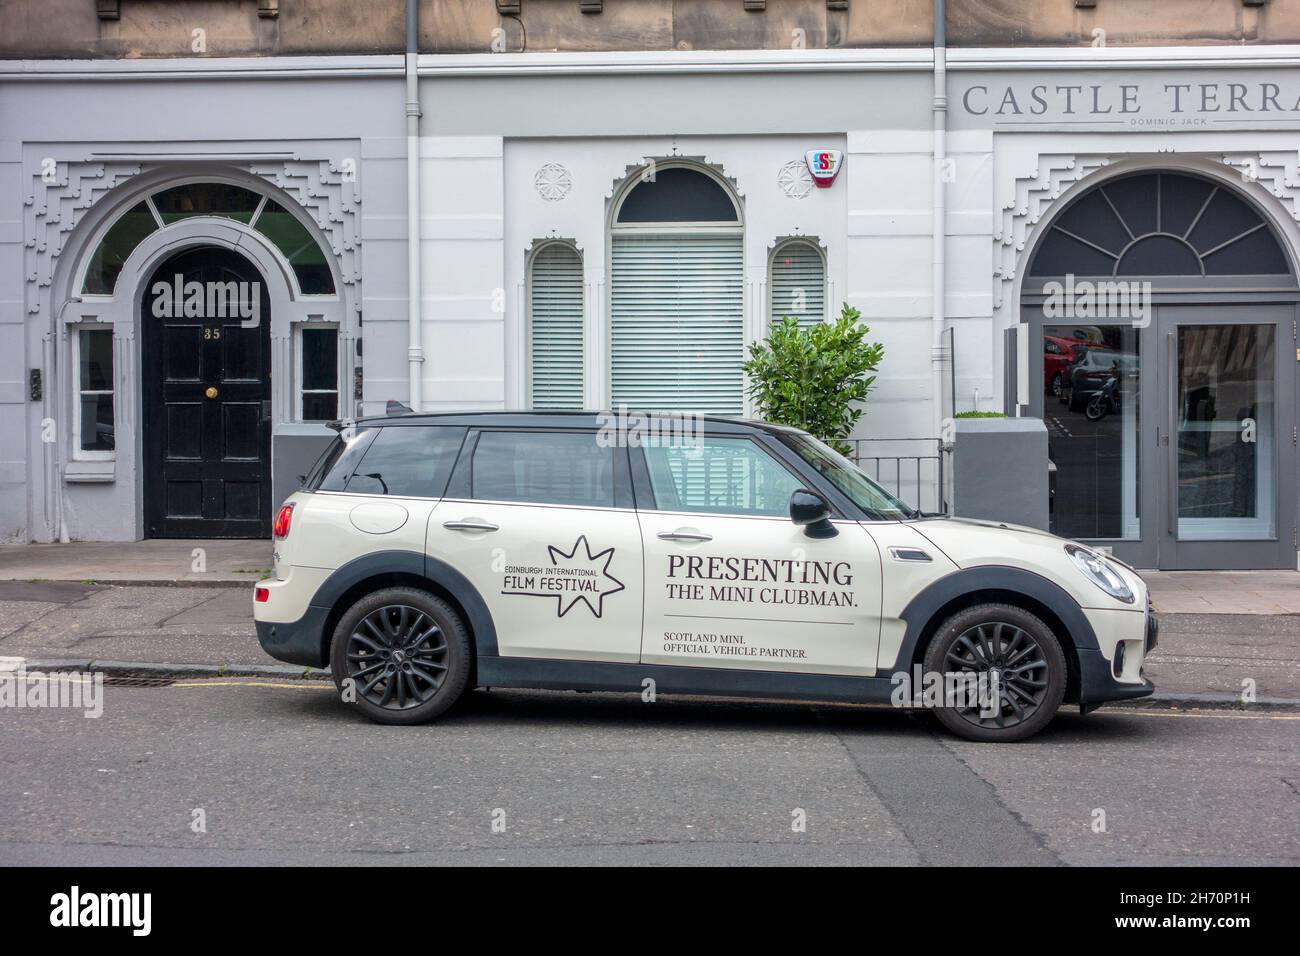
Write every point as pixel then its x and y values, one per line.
pixel 296 642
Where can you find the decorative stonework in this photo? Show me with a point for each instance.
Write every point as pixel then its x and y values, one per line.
pixel 61 191
pixel 795 180
pixel 649 163
pixel 59 195
pixel 332 195
pixel 797 236
pixel 1035 193
pixel 552 182
pixel 554 236
pixel 1278 171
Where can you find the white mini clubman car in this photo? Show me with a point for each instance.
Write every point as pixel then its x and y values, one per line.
pixel 427 554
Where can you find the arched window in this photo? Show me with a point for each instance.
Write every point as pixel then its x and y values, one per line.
pixel 796 283
pixel 225 201
pixel 555 334
pixel 1159 224
pixel 677 294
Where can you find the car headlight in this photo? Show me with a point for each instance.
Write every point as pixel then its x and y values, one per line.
pixel 1099 571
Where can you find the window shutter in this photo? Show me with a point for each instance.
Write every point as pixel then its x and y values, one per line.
pixel 556 327
pixel 797 287
pixel 678 323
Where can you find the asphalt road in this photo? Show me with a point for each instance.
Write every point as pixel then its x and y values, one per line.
pixel 283 773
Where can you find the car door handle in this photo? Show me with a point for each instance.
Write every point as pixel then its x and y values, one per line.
pixel 685 536
pixel 468 525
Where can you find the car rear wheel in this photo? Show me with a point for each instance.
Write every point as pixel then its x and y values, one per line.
pixel 1013 658
pixel 400 656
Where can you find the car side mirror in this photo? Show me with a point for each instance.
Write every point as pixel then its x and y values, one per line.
pixel 811 511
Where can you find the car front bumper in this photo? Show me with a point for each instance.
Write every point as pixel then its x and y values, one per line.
pixel 1097 681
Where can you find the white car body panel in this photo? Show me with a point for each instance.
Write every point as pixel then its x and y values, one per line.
pixel 561 582
pixel 785 602
pixel 902 581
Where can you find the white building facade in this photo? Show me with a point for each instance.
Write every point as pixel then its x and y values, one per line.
pixel 608 229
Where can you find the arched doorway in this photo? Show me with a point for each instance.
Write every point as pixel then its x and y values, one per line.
pixel 206 397
pixel 1163 304
pixel 677 316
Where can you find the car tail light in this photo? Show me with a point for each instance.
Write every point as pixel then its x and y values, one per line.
pixel 261 595
pixel 281 527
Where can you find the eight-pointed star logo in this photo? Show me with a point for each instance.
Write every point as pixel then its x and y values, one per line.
pixel 575 575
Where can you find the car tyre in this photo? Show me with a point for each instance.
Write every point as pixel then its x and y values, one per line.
pixel 1030 663
pixel 406 652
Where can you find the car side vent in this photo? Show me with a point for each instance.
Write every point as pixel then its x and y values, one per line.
pixel 909 554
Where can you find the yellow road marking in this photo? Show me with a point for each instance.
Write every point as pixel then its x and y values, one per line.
pixel 1217 714
pixel 301 685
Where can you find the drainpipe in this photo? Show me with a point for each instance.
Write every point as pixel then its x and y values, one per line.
pixel 415 348
pixel 938 268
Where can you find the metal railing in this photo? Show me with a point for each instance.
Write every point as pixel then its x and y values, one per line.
pixel 917 479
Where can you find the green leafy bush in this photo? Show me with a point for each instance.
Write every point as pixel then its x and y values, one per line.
pixel 979 415
pixel 815 378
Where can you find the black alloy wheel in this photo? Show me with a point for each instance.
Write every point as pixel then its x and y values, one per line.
pixel 400 656
pixel 1013 659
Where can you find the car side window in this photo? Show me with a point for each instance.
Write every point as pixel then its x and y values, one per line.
pixel 720 475
pixel 405 460
pixel 543 467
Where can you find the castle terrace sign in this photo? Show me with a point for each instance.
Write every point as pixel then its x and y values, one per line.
pixel 1173 101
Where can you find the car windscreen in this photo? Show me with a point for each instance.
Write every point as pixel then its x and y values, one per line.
pixel 848 478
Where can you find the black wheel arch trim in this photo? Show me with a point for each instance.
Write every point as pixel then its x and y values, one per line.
pixel 923 607
pixel 430 569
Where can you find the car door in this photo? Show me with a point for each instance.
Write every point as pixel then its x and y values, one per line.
pixel 541 523
pixel 732 582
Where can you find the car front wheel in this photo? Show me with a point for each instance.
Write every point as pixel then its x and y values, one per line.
pixel 1014 662
pixel 400 656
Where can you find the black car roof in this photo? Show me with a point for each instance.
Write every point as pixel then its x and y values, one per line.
pixel 565 419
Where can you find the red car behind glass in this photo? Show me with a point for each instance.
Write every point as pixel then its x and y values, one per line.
pixel 1058 354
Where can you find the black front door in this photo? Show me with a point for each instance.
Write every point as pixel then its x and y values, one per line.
pixel 206 347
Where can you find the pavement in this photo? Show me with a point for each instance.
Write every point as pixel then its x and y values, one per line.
pixel 1225 592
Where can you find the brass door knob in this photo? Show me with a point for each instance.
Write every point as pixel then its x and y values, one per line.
pixel 211 392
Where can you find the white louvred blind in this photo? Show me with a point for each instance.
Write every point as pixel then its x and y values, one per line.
pixel 798 284
pixel 557 328
pixel 678 323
